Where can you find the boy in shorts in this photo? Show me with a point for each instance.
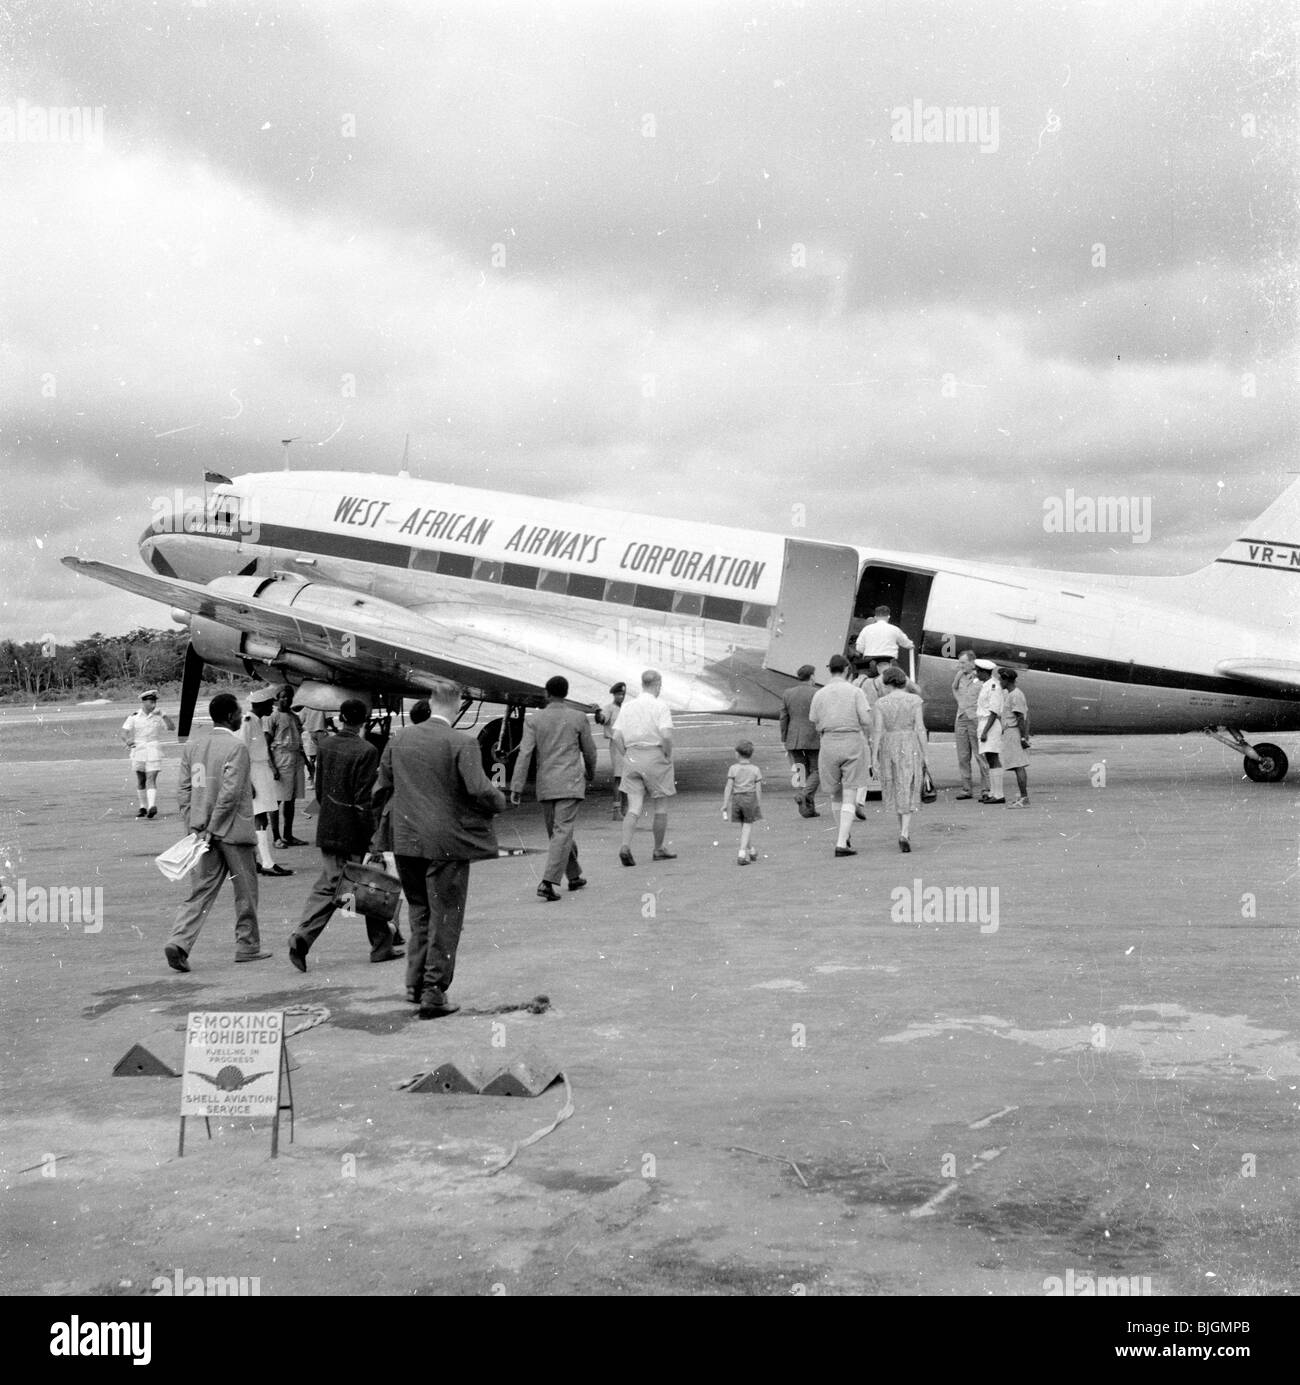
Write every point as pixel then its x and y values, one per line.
pixel 742 799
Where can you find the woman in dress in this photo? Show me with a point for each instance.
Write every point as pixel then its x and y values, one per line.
pixel 898 749
pixel 290 763
pixel 1015 735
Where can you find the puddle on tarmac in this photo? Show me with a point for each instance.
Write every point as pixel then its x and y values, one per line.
pixel 567 1181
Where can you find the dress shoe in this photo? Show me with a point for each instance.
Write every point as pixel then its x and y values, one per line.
pixel 298 953
pixel 252 957
pixel 273 870
pixel 904 845
pixel 390 955
pixel 662 855
pixel 293 841
pixel 625 855
pixel 278 843
pixel 548 892
pixel 993 800
pixel 577 883
pixel 152 813
pixel 412 996
pixel 812 811
pixel 845 851
pixel 859 813
pixel 142 813
pixel 177 957
pixel 434 1005
pixel 963 795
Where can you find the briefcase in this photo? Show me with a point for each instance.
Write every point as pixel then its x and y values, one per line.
pixel 368 890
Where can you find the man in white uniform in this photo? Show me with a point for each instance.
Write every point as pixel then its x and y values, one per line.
pixel 643 734
pixel 143 732
pixel 878 639
pixel 988 718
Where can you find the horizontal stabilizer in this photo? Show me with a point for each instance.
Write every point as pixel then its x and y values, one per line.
pixel 1276 673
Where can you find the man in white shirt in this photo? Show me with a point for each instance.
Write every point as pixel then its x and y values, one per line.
pixel 842 716
pixel 988 717
pixel 878 639
pixel 643 734
pixel 143 732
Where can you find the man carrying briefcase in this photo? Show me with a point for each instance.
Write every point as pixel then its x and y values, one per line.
pixel 345 774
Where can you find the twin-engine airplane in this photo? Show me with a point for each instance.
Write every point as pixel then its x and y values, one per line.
pixel 350 584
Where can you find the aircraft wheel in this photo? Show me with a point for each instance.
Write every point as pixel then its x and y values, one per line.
pixel 1271 768
pixel 497 766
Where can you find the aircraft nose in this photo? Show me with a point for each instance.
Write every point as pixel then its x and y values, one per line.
pixel 151 552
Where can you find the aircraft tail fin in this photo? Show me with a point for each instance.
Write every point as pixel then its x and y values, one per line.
pixel 1257 577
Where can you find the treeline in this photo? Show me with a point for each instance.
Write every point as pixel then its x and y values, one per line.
pixel 97 666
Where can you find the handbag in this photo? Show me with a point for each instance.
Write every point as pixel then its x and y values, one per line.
pixel 368 890
pixel 928 792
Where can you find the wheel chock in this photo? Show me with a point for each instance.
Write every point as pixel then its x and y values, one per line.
pixel 462 1075
pixel 526 1076
pixel 138 1061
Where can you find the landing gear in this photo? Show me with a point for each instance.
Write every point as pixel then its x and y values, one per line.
pixel 499 744
pixel 1264 763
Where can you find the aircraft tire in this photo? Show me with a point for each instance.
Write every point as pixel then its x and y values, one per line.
pixel 497 769
pixel 1273 768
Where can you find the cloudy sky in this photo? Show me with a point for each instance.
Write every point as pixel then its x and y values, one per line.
pixel 672 257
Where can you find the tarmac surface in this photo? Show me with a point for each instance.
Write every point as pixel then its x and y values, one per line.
pixel 785 1079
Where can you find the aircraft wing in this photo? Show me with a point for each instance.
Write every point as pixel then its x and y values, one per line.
pixel 1275 673
pixel 362 638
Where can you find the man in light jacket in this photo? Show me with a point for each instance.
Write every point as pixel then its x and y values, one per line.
pixel 566 764
pixel 216 800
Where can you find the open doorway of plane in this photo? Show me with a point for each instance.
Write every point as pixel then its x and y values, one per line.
pixel 904 591
pixel 814 607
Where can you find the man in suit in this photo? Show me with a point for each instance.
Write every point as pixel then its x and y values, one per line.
pixel 566 764
pixel 346 767
pixel 441 817
pixel 216 798
pixel 802 741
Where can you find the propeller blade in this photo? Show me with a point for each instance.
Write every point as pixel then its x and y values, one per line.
pixel 191 679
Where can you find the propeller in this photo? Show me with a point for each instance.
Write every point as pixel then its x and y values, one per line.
pixel 191 679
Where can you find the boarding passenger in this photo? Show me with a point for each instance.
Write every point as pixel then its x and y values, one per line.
pixel 898 742
pixel 742 799
pixel 345 775
pixel 988 713
pixel 442 810
pixel 1015 735
pixel 878 639
pixel 566 763
pixel 644 734
pixel 142 732
pixel 801 741
pixel 606 718
pixel 842 716
pixel 216 799
pixel 257 740
pixel 290 763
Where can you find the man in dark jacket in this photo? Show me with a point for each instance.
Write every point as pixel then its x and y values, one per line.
pixel 345 774
pixel 441 817
pixel 566 764
pixel 801 741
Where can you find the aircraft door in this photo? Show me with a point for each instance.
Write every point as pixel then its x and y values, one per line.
pixel 813 610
